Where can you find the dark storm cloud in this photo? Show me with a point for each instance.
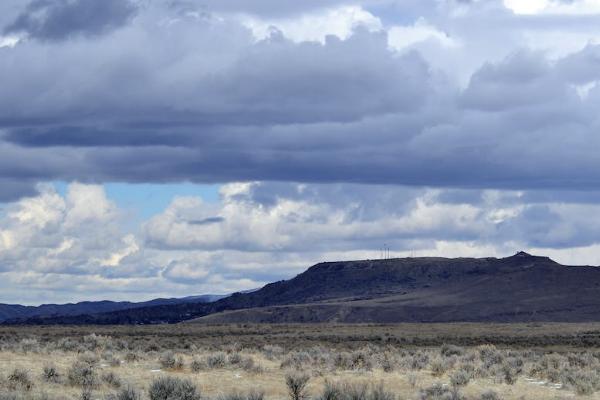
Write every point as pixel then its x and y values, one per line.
pixel 61 19
pixel 198 98
pixel 13 189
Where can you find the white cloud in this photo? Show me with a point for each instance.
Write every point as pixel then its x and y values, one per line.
pixel 402 37
pixel 339 21
pixel 527 6
pixel 131 247
pixel 557 7
pixel 8 41
pixel 58 249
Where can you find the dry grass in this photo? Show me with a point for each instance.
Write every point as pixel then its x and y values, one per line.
pixel 65 363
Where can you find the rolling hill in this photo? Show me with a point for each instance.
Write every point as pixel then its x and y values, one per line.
pixel 17 312
pixel 520 288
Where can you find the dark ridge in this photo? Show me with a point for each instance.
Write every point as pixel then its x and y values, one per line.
pixel 519 288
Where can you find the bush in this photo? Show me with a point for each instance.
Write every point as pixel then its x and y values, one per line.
pixel 255 395
pixel 387 363
pixel 247 364
pixel 412 379
pixel 19 379
pixel 361 360
pixel 439 366
pixel 82 374
pixel 378 392
pixel 437 391
pixel 89 358
pixel 296 384
pixel 168 388
pixel 111 379
pixel 489 355
pixel 127 394
pixel 30 346
pixel 460 378
pixel 583 382
pixel 111 359
pixel 216 360
pixel 357 391
pixel 417 361
pixel 252 395
pixel 131 357
pixel 50 374
pixel 198 365
pixel 168 360
pixel 489 395
pixel 449 350
pixel 330 392
pixel 272 352
pixel 234 359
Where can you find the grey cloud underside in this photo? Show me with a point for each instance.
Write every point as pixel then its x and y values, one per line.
pixel 62 19
pixel 199 99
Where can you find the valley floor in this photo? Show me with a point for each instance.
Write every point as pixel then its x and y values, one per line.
pixel 251 362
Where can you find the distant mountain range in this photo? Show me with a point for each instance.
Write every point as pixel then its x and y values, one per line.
pixel 521 288
pixel 16 312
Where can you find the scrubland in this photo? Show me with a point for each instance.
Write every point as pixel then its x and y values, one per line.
pixel 301 362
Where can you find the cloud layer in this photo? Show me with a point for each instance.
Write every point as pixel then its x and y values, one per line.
pixel 183 92
pixel 437 127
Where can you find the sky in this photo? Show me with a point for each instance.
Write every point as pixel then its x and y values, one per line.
pixel 166 148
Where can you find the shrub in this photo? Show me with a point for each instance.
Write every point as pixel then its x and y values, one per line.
pixel 50 374
pixel 439 366
pixel 127 393
pixel 131 357
pixel 448 350
pixel 255 395
pixel 342 361
pixel 198 365
pixel 272 352
pixel 489 355
pixel 356 391
pixel 509 375
pixel 168 388
pixel 168 360
pixel 437 391
pixel 460 378
pixel 247 364
pixel 111 379
pixel 417 361
pixel 82 374
pixel 378 392
pixel 583 382
pixel 19 379
pixel 111 359
pixel 296 384
pixel 387 363
pixel 252 395
pixel 89 358
pixel 412 379
pixel 67 344
pixel 30 345
pixel 296 360
pixel 361 360
pixel 216 360
pixel 330 392
pixel 234 359
pixel 489 395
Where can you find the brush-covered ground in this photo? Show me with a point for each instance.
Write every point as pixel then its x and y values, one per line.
pixel 301 362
